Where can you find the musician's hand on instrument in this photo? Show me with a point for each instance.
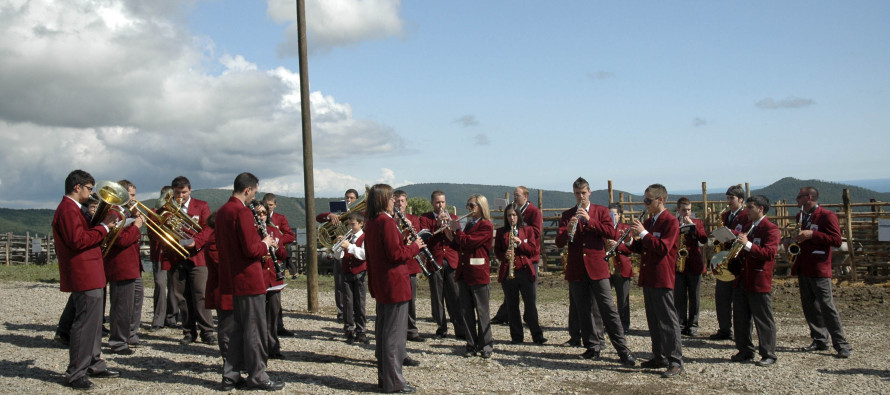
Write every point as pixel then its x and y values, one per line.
pixel 334 219
pixel 610 244
pixel 269 241
pixel 139 222
pixel 420 243
pixel 582 213
pixel 345 244
pixel 804 235
pixel 509 256
pixel 572 223
pixel 685 220
pixel 743 238
pixel 637 227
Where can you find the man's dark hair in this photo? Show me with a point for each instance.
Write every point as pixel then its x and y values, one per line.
pixel 243 181
pixel 737 191
pixel 126 184
pixel 181 182
pixel 356 216
pixel 399 193
pixel 814 193
pixel 617 206
pixel 581 183
pixel 269 198
pixel 683 201
pixel 351 191
pixel 77 177
pixel 436 193
pixel 658 190
pixel 760 201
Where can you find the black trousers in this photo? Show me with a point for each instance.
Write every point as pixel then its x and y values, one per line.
pixel 126 313
pixel 354 294
pixel 273 310
pixel 474 301
pixel 593 298
pixel 821 315
pixel 412 310
pixel 664 327
pixel 165 307
pixel 248 340
pixel 622 298
pixel 754 309
pixel 522 285
pixel 723 304
pixel 84 348
pixel 444 297
pixel 189 283
pixel 390 345
pixel 687 292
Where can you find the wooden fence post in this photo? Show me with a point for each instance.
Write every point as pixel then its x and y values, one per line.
pixel 611 193
pixel 27 247
pixel 8 237
pixel 704 197
pixel 848 210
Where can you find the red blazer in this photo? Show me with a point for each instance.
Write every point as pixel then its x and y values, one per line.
pixel 157 252
pixel 77 246
pixel 757 264
pixel 350 263
pixel 694 262
pixel 522 255
pixel 473 246
pixel 287 234
pixel 322 218
pixel 123 261
pixel 739 223
pixel 200 209
pixel 587 251
pixel 438 244
pixel 268 265
pixel 624 265
pixel 214 299
pixel 386 254
pixel 534 220
pixel 240 251
pixel 815 254
pixel 658 252
pixel 413 266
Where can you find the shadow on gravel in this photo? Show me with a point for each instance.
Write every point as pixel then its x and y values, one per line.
pixel 328 382
pixel 28 341
pixel 308 356
pixel 884 374
pixel 25 369
pixel 165 371
pixel 30 327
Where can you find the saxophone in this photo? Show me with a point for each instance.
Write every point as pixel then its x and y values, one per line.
pixel 721 271
pixel 794 248
pixel 511 253
pixel 682 253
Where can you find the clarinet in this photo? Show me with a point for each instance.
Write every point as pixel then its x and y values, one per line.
pixel 261 228
pixel 614 250
pixel 426 252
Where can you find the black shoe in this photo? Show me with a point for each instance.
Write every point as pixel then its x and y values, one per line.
pixel 63 340
pixel 350 338
pixel 685 332
pixel 277 355
pixel 591 354
pixel 672 371
pixel 742 358
pixel 228 384
pixel 485 355
pixel 410 362
pixel 105 331
pixel 496 321
pixel 814 346
pixel 441 334
pixel 540 340
pixel 628 360
pixel 516 341
pixel 460 336
pixel 136 345
pixel 407 390
pixel 209 339
pixel 469 353
pixel 765 362
pixel 186 340
pixel 285 333
pixel 269 385
pixel 720 336
pixel 82 383
pixel 415 338
pixel 154 328
pixel 654 364
pixel 361 338
pixel 123 351
pixel 105 374
pixel 843 354
pixel 173 326
pixel 572 343
pixel 294 277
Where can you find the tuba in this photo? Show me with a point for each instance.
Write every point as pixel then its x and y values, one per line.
pixel 328 232
pixel 177 220
pixel 112 199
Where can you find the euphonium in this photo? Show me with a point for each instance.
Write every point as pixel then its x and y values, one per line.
pixel 112 197
pixel 328 232
pixel 157 225
pixel 511 253
pixel 794 248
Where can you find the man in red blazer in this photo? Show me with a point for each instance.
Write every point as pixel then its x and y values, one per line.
pixel 736 219
pixel 443 286
pixel 287 237
pixel 191 273
pixel 819 232
pixel 413 334
pixel 82 273
pixel 753 283
pixel 241 251
pixel 350 196
pixel 623 271
pixel 166 308
pixel 687 287
pixel 588 272
pixel 657 246
pixel 123 270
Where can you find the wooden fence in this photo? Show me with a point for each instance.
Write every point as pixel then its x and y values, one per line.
pixel 26 249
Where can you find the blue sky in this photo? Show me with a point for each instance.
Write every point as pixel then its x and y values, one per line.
pixel 496 92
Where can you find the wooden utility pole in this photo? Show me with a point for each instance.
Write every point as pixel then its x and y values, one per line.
pixel 308 179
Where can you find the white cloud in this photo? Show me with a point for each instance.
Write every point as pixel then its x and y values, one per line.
pixel 467 120
pixel 481 139
pixel 789 102
pixel 121 89
pixel 337 23
pixel 601 75
pixel 328 183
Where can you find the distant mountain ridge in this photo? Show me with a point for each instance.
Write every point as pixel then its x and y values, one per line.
pixel 39 221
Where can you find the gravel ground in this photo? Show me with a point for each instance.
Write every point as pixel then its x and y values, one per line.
pixel 319 361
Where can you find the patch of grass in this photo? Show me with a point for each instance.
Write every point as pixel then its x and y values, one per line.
pixel 48 273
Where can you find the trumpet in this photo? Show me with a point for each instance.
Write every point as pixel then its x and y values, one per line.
pixel 511 253
pixel 338 247
pixel 159 227
pixel 794 248
pixel 444 226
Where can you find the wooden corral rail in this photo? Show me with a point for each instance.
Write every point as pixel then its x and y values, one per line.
pixel 26 249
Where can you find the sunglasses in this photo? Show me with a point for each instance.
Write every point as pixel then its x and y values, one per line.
pixel 648 201
pixel 471 205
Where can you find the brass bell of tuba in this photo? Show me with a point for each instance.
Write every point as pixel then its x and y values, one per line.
pixel 328 232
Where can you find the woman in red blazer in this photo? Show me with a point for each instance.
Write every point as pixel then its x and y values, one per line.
pixel 474 274
pixel 388 282
pixel 273 297
pixel 523 279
